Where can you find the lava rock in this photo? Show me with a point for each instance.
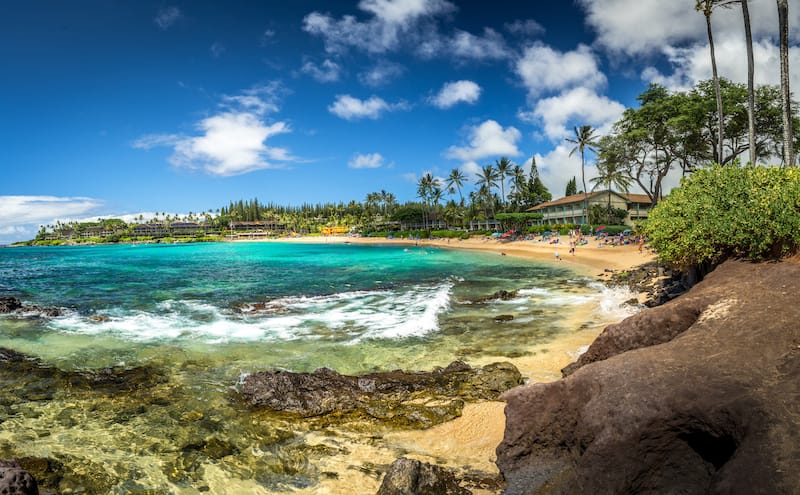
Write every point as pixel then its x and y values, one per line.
pixel 417 399
pixel 413 477
pixel 16 481
pixel 700 395
pixel 502 318
pixel 9 304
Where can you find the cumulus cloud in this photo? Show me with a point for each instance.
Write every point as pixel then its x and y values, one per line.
pixel 542 69
pixel 350 108
pixel 579 106
pixel 455 92
pixel 692 64
pixel 556 168
pixel 21 216
pixel 167 16
pixel 383 72
pixel 380 32
pixel 488 139
pixel 526 28
pixel 369 160
pixel 328 71
pixel 637 27
pixel 231 142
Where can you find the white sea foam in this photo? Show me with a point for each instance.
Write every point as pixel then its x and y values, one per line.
pixel 348 316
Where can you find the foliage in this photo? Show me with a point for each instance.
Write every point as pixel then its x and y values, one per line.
pixel 751 212
pixel 607 214
pixel 572 187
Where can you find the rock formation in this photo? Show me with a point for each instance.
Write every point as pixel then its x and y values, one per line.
pixel 405 398
pixel 16 481
pixel 12 305
pixel 413 477
pixel 700 395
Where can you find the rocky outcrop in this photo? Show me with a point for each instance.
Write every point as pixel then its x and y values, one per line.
pixel 12 305
pixel 413 477
pixel 26 378
pixel 658 283
pixel 415 399
pixel 700 395
pixel 16 481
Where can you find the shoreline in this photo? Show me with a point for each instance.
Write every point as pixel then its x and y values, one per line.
pixel 587 260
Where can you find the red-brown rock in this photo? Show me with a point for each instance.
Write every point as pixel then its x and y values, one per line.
pixel 700 395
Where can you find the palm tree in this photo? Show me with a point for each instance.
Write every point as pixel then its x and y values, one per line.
pixel 487 179
pixel 584 140
pixel 706 7
pixel 455 180
pixel 518 182
pixel 786 97
pixel 611 174
pixel 503 167
pixel 425 187
pixel 751 92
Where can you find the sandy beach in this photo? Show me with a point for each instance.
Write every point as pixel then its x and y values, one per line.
pixel 469 442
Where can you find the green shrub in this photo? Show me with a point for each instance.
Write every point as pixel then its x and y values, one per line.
pixel 450 234
pixel 751 212
pixel 615 229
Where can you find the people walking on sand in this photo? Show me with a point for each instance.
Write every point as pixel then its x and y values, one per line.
pixel 572 248
pixel 641 243
pixel 558 258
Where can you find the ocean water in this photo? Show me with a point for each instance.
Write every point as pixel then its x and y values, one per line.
pixel 210 313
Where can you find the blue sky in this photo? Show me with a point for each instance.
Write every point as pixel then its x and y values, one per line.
pixel 127 107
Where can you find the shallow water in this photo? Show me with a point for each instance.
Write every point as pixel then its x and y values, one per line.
pixel 203 315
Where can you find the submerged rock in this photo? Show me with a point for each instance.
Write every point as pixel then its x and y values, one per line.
pixel 13 305
pixel 418 399
pixel 412 477
pixel 25 378
pixel 700 395
pixel 501 295
pixel 14 480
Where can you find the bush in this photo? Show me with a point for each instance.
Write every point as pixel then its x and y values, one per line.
pixel 450 234
pixel 719 212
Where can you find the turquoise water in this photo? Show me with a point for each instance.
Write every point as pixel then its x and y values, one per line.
pixel 205 314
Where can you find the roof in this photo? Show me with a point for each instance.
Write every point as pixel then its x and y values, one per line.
pixel 577 198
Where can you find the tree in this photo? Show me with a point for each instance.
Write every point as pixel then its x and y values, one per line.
pixel 706 7
pixel 487 179
pixel 584 140
pixel 537 192
pixel 786 97
pixel 425 187
pixel 572 187
pixel 503 168
pixel 610 173
pixel 751 92
pixel 455 181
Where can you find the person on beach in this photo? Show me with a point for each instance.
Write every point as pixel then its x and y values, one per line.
pixel 558 258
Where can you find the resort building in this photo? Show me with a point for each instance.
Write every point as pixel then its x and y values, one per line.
pixel 569 209
pixel 150 229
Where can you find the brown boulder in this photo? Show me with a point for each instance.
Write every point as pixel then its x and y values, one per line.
pixel 701 395
pixel 413 477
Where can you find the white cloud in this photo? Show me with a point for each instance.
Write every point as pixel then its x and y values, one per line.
pixel 579 106
pixel 381 73
pixel 329 71
pixel 692 64
pixel 455 92
pixel 556 168
pixel 350 108
pixel 378 34
pixel 20 216
pixel 636 27
pixel 233 141
pixel 527 28
pixel 167 16
pixel 488 139
pixel 490 46
pixel 544 69
pixel 369 160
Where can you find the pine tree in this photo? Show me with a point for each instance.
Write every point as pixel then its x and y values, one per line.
pixel 572 187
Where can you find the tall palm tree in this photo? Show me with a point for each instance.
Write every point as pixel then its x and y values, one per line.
pixel 751 92
pixel 425 187
pixel 786 97
pixel 707 7
pixel 455 181
pixel 487 179
pixel 584 140
pixel 518 182
pixel 503 168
